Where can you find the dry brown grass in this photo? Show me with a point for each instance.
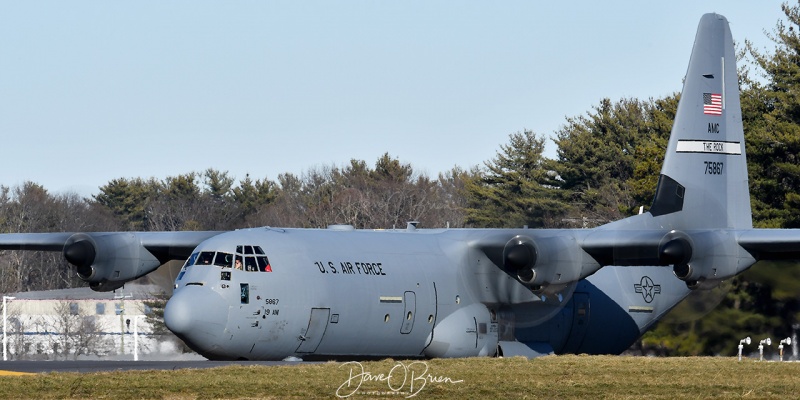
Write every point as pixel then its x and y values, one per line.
pixel 551 377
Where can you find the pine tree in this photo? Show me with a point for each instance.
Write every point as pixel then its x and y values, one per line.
pixel 513 190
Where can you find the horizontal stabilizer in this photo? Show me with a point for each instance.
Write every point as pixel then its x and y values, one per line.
pixel 771 244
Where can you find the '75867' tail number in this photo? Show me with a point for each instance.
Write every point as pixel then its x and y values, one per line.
pixel 713 167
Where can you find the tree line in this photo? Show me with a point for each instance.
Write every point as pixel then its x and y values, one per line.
pixel 606 166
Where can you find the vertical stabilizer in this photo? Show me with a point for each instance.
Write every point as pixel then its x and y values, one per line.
pixel 703 182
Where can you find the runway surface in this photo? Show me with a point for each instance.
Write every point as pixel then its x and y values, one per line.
pixel 22 367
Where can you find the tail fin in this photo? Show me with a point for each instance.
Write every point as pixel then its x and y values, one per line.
pixel 703 182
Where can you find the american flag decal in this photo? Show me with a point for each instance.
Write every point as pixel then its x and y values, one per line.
pixel 712 104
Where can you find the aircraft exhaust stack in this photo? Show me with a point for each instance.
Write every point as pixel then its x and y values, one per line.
pixel 682 271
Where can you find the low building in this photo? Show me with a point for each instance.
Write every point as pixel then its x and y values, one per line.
pixel 74 323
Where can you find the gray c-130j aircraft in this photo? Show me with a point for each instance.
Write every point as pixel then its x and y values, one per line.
pixel 341 293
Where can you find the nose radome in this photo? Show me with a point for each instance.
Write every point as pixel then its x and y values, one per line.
pixel 178 313
pixel 198 316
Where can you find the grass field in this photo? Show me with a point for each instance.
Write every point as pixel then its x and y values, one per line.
pixel 588 377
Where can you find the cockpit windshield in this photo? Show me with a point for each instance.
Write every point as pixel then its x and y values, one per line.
pixel 205 258
pixel 220 259
pixel 224 260
pixel 191 260
pixel 246 258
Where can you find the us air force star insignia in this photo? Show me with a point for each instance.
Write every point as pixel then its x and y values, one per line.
pixel 647 288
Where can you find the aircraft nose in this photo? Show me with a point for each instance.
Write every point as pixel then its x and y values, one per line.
pixel 197 315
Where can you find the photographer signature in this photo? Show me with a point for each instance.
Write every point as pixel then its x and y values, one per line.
pixel 408 379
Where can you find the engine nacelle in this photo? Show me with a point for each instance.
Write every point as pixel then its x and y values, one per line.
pixel 546 262
pixel 715 257
pixel 107 260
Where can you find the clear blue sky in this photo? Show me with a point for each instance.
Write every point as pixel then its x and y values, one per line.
pixel 91 91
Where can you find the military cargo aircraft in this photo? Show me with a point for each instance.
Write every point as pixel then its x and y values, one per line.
pixel 342 293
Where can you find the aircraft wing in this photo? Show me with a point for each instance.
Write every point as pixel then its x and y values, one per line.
pixel 34 241
pixel 544 258
pixel 636 247
pixel 172 245
pixel 657 247
pixel 109 259
pixel 771 244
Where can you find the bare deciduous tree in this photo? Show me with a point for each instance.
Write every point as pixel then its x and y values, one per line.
pixel 74 331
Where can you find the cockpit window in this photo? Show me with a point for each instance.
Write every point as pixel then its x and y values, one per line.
pixel 252 258
pixel 250 264
pixel 191 260
pixel 205 258
pixel 263 264
pixel 223 259
pixel 220 259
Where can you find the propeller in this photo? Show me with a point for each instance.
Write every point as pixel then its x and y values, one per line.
pixel 698 304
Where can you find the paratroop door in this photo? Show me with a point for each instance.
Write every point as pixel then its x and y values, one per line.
pixel 317 325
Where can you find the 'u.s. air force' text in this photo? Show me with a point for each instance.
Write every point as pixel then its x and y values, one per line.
pixel 347 267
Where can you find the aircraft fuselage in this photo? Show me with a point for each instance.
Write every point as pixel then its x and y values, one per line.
pixel 344 293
